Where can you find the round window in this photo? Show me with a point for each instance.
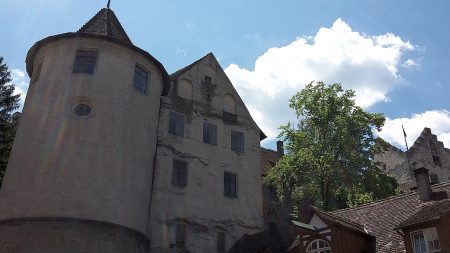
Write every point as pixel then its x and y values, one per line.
pixel 82 109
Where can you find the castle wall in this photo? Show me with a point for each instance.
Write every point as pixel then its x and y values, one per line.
pixel 201 205
pixel 395 162
pixel 96 167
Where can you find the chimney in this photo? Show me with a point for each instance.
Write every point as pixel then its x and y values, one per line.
pixel 280 149
pixel 423 183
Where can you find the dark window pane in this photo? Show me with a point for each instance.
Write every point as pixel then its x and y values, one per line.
pixel 237 141
pixel 180 234
pixel 229 185
pixel 140 79
pixel 179 173
pixel 221 242
pixel 209 133
pixel 85 61
pixel 176 124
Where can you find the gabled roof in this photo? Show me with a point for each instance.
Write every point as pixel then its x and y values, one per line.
pixel 381 218
pixel 105 23
pixel 428 213
pixel 174 77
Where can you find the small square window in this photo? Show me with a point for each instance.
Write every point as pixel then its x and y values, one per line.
pixel 179 173
pixel 237 141
pixel 85 61
pixel 208 79
pixel 209 133
pixel 220 242
pixel 425 240
pixel 230 185
pixel 180 237
pixel 176 124
pixel 140 79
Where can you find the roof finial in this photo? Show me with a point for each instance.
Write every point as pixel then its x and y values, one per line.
pixel 109 2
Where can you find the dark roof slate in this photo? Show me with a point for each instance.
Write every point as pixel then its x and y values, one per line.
pixel 381 218
pixel 428 213
pixel 268 160
pixel 105 23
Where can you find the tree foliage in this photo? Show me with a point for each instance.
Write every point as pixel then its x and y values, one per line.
pixel 8 103
pixel 330 151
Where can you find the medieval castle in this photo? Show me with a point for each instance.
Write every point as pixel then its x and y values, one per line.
pixel 122 157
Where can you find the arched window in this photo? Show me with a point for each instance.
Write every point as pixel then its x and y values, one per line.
pixel 184 89
pixel 229 104
pixel 318 246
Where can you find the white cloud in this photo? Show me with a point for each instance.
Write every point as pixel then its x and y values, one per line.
pixel 21 81
pixel 367 64
pixel 409 64
pixel 437 120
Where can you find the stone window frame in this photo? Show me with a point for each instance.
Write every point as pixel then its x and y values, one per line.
pixel 176 123
pixel 429 235
pixel 179 173
pixel 141 78
pixel 230 179
pixel 85 61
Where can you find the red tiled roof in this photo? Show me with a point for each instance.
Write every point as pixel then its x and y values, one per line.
pixel 380 218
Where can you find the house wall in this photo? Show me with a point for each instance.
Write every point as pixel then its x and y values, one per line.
pixel 93 168
pixel 345 240
pixel 201 205
pixel 442 228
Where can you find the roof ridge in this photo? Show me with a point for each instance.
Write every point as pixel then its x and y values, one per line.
pixel 387 199
pixel 182 70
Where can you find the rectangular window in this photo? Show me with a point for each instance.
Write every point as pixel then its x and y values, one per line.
pixel 220 242
pixel 237 141
pixel 425 241
pixel 179 173
pixel 180 237
pixel 230 185
pixel 140 79
pixel 85 61
pixel 209 133
pixel 176 124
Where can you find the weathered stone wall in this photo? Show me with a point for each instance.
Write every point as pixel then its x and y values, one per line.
pixel 394 161
pixel 97 167
pixel 201 205
pixel 69 236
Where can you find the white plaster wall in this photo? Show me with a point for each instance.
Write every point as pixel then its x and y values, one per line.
pixel 202 202
pixel 98 167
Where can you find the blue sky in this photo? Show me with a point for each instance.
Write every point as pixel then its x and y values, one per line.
pixel 395 54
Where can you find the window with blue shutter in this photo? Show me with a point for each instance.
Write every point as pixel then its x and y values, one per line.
pixel 140 79
pixel 176 124
pixel 85 61
pixel 209 133
pixel 237 141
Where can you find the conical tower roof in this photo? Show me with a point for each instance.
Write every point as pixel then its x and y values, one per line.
pixel 105 23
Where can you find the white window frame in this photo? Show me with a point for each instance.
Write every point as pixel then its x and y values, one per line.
pixel 326 248
pixel 430 236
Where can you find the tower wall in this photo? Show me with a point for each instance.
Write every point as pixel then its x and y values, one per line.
pixel 87 170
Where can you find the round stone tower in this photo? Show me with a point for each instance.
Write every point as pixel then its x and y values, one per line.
pixel 80 172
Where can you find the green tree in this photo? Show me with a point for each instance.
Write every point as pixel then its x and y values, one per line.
pixel 8 103
pixel 330 151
